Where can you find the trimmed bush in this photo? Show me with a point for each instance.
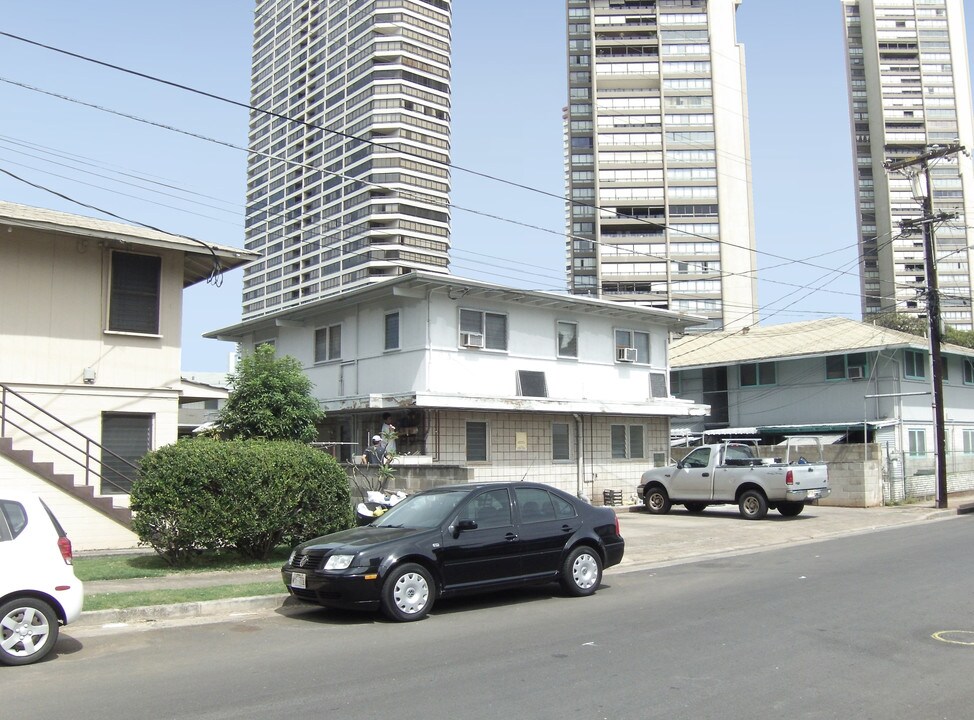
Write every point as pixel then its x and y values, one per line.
pixel 245 495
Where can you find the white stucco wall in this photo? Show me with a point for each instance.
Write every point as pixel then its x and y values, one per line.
pixel 87 528
pixel 431 360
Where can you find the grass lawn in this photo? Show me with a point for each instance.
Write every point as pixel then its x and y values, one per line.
pixel 120 601
pixel 127 567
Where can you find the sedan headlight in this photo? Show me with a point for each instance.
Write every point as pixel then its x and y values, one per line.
pixel 338 562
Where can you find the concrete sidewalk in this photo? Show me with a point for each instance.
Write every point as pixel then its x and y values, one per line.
pixel 651 541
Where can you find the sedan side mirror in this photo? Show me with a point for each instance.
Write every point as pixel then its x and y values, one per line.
pixel 463 525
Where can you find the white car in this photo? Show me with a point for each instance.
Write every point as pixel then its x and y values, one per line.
pixel 38 589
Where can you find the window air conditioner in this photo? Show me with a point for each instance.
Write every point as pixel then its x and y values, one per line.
pixel 475 340
pixel 855 372
pixel 626 354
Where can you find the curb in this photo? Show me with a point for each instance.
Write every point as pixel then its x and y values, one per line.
pixel 179 611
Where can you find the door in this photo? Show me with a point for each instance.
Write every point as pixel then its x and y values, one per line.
pixel 487 554
pixel 545 524
pixel 693 481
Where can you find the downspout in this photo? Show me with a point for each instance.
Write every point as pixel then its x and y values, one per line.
pixel 579 460
pixel 429 339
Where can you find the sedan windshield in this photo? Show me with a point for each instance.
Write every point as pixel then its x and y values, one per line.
pixel 426 510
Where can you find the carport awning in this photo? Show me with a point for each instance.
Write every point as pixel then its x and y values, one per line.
pixel 827 439
pixel 820 428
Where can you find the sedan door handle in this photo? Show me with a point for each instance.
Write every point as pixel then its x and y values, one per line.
pixel 510 537
pixel 704 474
pixel 567 528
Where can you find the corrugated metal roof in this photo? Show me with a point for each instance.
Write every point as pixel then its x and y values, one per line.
pixel 198 258
pixel 792 340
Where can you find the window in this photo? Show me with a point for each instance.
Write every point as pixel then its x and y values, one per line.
pixel 699 458
pixel 676 383
pixel 969 442
pixel 626 441
pixel 914 365
pixel 13 519
pixel 968 371
pixel 125 439
pixel 632 346
pixel 567 339
pixel 536 505
pixel 531 383
pixel 328 343
pixel 483 329
pixel 755 374
pixel 561 441
pixel 490 509
pixel 135 291
pixel 840 367
pixel 476 442
pixel 392 331
pixel 918 441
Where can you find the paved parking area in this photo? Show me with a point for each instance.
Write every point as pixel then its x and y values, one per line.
pixel 719 530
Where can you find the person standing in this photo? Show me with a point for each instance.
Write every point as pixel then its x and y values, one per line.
pixel 388 433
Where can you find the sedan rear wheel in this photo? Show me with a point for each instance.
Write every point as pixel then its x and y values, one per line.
pixel 581 573
pixel 407 593
pixel 28 631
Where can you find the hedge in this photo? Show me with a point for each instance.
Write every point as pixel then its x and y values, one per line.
pixel 246 495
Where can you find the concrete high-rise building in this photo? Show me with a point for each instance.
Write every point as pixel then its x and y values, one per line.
pixel 909 89
pixel 658 158
pixel 348 179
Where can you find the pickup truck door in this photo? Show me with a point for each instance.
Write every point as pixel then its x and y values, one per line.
pixel 693 478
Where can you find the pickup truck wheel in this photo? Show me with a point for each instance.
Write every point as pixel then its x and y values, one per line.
pixel 791 509
pixel 752 504
pixel 695 507
pixel 657 501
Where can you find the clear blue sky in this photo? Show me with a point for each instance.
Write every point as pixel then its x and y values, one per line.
pixel 508 92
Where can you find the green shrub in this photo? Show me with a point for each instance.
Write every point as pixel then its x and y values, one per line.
pixel 248 495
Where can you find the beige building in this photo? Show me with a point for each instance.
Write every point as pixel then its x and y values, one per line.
pixel 90 358
pixel 658 158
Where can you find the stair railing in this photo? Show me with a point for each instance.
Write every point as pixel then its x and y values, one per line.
pixel 80 443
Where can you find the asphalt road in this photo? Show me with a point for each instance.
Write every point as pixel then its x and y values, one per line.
pixel 837 629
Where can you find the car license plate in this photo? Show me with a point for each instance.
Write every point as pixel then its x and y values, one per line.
pixel 299 580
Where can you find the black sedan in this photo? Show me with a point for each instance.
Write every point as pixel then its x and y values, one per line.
pixel 456 540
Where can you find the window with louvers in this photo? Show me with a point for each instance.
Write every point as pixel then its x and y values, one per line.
pixel 135 291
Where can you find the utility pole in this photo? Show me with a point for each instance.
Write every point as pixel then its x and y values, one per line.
pixel 933 299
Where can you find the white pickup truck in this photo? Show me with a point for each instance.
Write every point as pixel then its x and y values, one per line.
pixel 731 472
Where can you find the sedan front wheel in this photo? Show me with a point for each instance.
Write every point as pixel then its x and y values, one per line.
pixel 407 593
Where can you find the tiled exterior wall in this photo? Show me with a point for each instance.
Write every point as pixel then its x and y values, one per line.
pixel 600 471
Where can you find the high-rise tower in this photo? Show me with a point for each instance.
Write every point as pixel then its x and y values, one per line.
pixel 909 89
pixel 348 178
pixel 658 158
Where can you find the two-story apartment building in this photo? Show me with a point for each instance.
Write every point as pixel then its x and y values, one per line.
pixel 496 382
pixel 90 358
pixel 848 381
